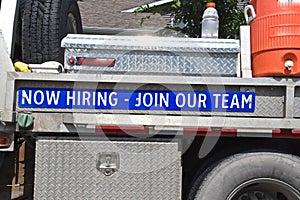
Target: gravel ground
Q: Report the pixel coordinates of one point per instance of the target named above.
(107, 13)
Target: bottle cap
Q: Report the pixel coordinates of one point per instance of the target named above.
(210, 4)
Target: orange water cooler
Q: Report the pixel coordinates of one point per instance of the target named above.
(275, 37)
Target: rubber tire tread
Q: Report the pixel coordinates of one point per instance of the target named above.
(218, 181)
(44, 24)
(1, 159)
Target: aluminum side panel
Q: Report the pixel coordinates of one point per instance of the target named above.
(267, 98)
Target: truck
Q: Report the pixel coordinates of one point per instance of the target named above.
(138, 117)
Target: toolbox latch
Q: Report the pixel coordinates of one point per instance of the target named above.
(108, 163)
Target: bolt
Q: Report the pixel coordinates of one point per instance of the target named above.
(289, 64)
(108, 172)
(245, 197)
(25, 120)
(259, 195)
(72, 60)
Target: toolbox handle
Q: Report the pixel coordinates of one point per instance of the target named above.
(252, 12)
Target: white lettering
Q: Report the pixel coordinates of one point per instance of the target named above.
(235, 101)
(155, 99)
(225, 100)
(164, 100)
(78, 98)
(70, 98)
(138, 100)
(191, 101)
(94, 98)
(202, 100)
(26, 96)
(102, 100)
(86, 96)
(180, 100)
(150, 99)
(113, 101)
(186, 100)
(247, 101)
(216, 98)
(40, 100)
(53, 97)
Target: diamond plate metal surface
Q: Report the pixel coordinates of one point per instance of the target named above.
(67, 170)
(297, 107)
(297, 102)
(155, 54)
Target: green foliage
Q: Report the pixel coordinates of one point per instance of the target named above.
(190, 13)
(165, 8)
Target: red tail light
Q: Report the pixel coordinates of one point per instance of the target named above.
(130, 130)
(99, 62)
(5, 141)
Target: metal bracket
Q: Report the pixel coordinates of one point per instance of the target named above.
(108, 163)
(245, 52)
(247, 89)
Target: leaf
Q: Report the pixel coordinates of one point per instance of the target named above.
(177, 3)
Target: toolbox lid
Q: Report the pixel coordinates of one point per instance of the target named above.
(150, 43)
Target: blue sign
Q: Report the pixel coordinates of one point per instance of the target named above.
(136, 100)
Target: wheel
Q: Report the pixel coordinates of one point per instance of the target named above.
(1, 158)
(251, 176)
(44, 24)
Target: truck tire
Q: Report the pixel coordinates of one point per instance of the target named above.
(250, 176)
(44, 24)
(1, 156)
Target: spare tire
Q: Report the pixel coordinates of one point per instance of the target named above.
(44, 24)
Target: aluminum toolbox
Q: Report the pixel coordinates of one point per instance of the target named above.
(149, 54)
(70, 169)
